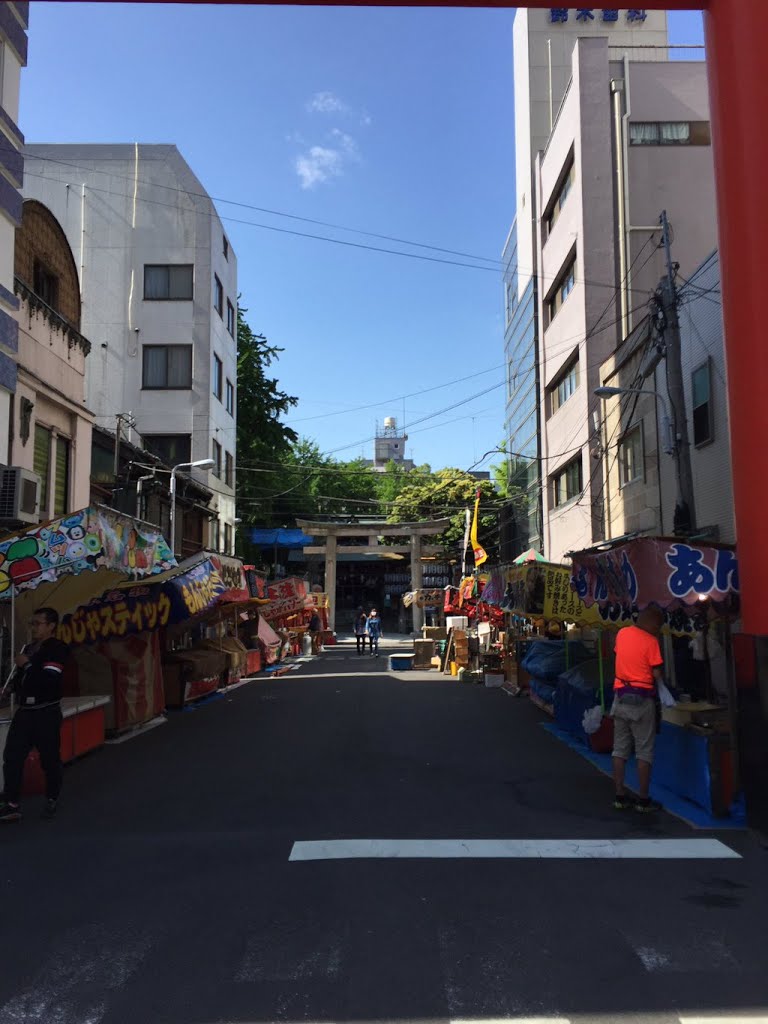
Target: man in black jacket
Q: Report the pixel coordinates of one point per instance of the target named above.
(37, 722)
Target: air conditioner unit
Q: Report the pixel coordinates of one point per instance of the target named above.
(19, 495)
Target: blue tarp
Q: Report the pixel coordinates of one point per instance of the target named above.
(680, 779)
(280, 538)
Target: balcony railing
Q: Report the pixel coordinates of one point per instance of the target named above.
(56, 320)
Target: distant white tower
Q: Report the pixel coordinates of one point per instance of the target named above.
(389, 445)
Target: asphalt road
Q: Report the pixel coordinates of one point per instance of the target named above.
(164, 891)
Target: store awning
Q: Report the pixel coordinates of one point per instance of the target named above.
(188, 592)
(667, 572)
(280, 538)
(69, 561)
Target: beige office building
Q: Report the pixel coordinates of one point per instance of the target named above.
(630, 139)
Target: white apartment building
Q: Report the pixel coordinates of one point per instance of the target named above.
(159, 302)
(543, 42)
(630, 139)
(14, 18)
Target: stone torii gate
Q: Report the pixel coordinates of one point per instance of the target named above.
(415, 532)
(736, 36)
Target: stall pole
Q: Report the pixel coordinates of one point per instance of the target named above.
(601, 668)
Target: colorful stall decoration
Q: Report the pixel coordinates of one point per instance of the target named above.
(257, 583)
(286, 597)
(542, 590)
(182, 594)
(88, 541)
(677, 576)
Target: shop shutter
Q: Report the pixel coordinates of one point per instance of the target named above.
(41, 464)
(61, 489)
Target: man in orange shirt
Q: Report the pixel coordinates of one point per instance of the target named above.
(638, 670)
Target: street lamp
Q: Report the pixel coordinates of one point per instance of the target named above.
(669, 444)
(200, 464)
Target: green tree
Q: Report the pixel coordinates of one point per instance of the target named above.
(262, 436)
(447, 494)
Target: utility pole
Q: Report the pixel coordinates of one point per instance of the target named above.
(685, 506)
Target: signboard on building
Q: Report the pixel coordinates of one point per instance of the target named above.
(588, 15)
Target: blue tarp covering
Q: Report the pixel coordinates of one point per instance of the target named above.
(546, 659)
(680, 778)
(280, 538)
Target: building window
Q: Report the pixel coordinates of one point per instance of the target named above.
(670, 133)
(168, 282)
(45, 284)
(167, 367)
(225, 247)
(173, 449)
(218, 377)
(227, 538)
(701, 383)
(230, 318)
(213, 538)
(562, 290)
(218, 296)
(41, 464)
(510, 302)
(565, 385)
(61, 481)
(216, 459)
(566, 485)
(631, 466)
(561, 195)
(230, 398)
(229, 469)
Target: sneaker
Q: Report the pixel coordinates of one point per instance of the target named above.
(623, 803)
(10, 812)
(647, 806)
(49, 810)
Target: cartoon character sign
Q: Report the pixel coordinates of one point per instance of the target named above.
(80, 542)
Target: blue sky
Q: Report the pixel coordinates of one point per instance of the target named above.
(392, 121)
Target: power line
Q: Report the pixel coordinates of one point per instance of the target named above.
(326, 238)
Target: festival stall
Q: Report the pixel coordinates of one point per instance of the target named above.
(161, 642)
(539, 604)
(289, 610)
(63, 564)
(697, 588)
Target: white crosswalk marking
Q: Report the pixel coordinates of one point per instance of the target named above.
(719, 1019)
(516, 1020)
(73, 985)
(559, 849)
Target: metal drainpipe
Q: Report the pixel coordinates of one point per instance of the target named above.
(617, 93)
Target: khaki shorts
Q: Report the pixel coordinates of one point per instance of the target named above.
(634, 727)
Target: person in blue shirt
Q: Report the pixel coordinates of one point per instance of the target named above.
(373, 628)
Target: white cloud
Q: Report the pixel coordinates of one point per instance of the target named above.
(319, 165)
(347, 143)
(327, 103)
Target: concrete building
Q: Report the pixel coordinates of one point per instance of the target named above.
(158, 280)
(640, 480)
(50, 424)
(14, 18)
(543, 44)
(389, 446)
(628, 140)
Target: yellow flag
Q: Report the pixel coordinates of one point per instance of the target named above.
(479, 552)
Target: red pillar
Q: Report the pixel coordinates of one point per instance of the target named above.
(736, 35)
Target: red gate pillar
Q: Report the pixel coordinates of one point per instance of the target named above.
(736, 36)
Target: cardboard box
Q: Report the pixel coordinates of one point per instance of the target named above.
(457, 622)
(694, 713)
(434, 632)
(493, 678)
